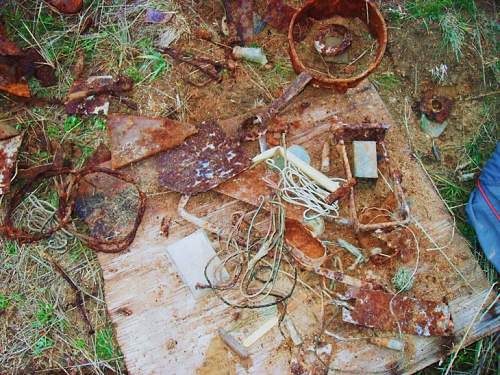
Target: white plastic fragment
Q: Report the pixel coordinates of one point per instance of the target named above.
(190, 256)
(261, 331)
(318, 177)
(365, 159)
(253, 54)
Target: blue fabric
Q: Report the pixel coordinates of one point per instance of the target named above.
(480, 214)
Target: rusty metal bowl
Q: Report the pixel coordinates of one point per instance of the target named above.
(365, 10)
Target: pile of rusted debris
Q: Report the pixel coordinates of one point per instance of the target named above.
(299, 214)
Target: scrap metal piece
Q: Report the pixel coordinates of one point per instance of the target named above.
(210, 68)
(370, 132)
(12, 74)
(436, 108)
(134, 138)
(325, 41)
(366, 11)
(240, 14)
(8, 155)
(372, 308)
(67, 6)
(256, 126)
(279, 15)
(91, 96)
(364, 131)
(69, 191)
(365, 159)
(306, 248)
(341, 192)
(202, 162)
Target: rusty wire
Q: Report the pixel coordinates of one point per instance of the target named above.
(67, 195)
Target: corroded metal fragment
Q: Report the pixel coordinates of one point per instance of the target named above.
(240, 14)
(202, 162)
(437, 108)
(12, 76)
(91, 96)
(8, 155)
(306, 248)
(134, 138)
(67, 6)
(278, 15)
(372, 308)
(325, 47)
(364, 131)
(366, 11)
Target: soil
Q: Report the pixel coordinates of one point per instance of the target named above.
(412, 52)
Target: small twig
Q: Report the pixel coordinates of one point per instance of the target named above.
(480, 96)
(79, 302)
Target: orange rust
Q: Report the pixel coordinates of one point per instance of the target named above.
(341, 192)
(134, 138)
(372, 309)
(366, 11)
(67, 6)
(301, 238)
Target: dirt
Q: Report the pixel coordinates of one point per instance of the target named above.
(412, 51)
(362, 49)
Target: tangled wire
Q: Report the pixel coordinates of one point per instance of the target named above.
(68, 192)
(253, 279)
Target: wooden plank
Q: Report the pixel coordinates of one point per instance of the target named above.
(162, 329)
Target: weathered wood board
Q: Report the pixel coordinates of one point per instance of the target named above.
(161, 329)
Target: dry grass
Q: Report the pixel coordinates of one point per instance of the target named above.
(40, 328)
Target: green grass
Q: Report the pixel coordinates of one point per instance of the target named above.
(4, 302)
(104, 344)
(455, 19)
(385, 81)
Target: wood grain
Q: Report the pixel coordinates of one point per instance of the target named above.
(166, 331)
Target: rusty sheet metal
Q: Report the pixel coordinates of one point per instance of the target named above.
(279, 15)
(359, 132)
(240, 14)
(108, 205)
(306, 249)
(134, 138)
(6, 130)
(371, 308)
(8, 155)
(366, 11)
(91, 96)
(12, 76)
(435, 107)
(202, 162)
(7, 47)
(68, 193)
(67, 6)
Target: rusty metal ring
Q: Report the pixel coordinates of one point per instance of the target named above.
(66, 206)
(365, 10)
(320, 40)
